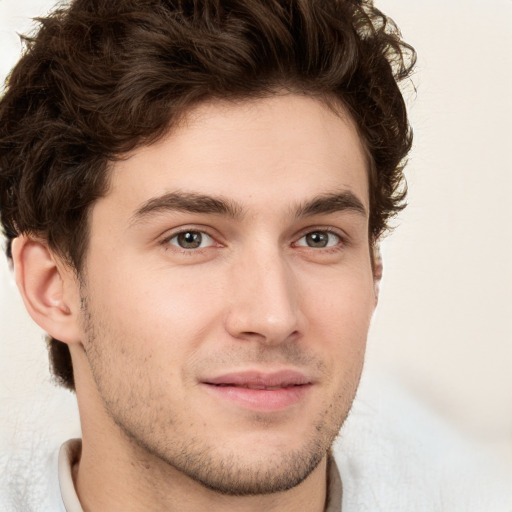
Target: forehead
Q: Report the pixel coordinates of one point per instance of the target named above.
(275, 151)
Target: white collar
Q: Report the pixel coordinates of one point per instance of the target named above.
(69, 453)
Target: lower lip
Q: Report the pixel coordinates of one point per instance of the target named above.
(268, 400)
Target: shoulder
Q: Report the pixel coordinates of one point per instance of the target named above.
(393, 453)
(30, 480)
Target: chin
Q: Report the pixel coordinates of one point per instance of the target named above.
(236, 476)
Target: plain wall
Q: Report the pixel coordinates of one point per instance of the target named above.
(444, 322)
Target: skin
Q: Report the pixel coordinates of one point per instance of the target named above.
(150, 322)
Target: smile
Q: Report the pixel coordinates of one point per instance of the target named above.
(256, 386)
(263, 392)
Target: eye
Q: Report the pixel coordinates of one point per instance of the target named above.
(319, 240)
(191, 240)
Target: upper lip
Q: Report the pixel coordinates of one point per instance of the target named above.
(260, 380)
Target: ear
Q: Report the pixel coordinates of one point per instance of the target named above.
(49, 288)
(377, 270)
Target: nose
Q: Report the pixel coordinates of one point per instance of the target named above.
(265, 303)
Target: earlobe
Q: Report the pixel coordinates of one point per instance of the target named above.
(47, 288)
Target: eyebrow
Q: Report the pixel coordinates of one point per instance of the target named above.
(192, 202)
(187, 202)
(331, 203)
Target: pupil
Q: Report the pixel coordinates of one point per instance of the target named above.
(190, 240)
(317, 239)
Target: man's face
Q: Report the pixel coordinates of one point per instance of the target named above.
(228, 291)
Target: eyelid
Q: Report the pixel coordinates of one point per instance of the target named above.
(343, 237)
(205, 230)
(205, 238)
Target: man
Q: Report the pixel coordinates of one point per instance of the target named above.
(192, 196)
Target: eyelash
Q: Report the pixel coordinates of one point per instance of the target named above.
(166, 242)
(340, 245)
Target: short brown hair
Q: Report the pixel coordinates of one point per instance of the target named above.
(102, 77)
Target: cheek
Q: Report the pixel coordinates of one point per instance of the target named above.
(156, 311)
(341, 305)
(339, 319)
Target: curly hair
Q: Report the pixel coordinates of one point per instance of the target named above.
(102, 77)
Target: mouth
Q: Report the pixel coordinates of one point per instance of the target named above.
(260, 391)
(256, 386)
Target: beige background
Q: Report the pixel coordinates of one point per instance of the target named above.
(444, 323)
